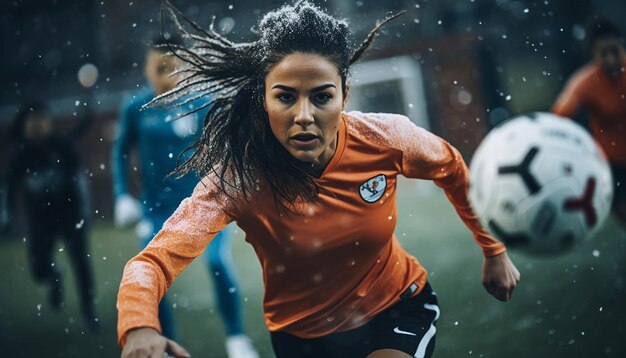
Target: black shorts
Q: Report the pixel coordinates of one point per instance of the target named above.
(619, 184)
(407, 326)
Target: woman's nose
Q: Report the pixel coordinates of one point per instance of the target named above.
(304, 113)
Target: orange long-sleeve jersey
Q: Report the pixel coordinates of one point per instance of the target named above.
(604, 99)
(334, 265)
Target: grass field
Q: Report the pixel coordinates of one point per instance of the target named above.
(572, 305)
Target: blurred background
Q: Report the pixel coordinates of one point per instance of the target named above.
(456, 67)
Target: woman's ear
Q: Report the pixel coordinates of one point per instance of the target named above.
(345, 96)
(261, 92)
(264, 103)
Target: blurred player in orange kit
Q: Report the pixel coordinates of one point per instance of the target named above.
(314, 190)
(599, 88)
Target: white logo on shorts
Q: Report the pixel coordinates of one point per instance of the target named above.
(373, 188)
(399, 331)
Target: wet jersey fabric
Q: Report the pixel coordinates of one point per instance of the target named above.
(159, 139)
(604, 99)
(336, 263)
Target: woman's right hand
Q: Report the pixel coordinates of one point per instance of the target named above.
(147, 342)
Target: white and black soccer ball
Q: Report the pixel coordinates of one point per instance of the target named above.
(540, 183)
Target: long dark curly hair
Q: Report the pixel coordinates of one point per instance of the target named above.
(237, 143)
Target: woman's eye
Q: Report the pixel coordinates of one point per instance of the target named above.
(285, 97)
(323, 97)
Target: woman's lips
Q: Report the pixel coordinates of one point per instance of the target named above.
(304, 142)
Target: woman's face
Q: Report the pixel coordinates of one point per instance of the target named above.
(37, 126)
(158, 69)
(304, 100)
(609, 53)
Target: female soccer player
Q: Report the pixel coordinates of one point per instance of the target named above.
(314, 190)
(45, 171)
(153, 137)
(599, 88)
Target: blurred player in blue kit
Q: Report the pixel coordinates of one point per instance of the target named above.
(158, 136)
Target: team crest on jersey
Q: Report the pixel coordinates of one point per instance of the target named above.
(374, 188)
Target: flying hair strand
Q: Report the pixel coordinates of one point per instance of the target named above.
(365, 44)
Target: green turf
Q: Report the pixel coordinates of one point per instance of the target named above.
(566, 306)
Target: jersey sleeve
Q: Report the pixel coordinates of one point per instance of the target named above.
(125, 140)
(184, 236)
(571, 99)
(427, 156)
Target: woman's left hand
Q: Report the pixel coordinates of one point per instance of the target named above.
(500, 276)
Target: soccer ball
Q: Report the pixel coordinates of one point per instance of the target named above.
(540, 183)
